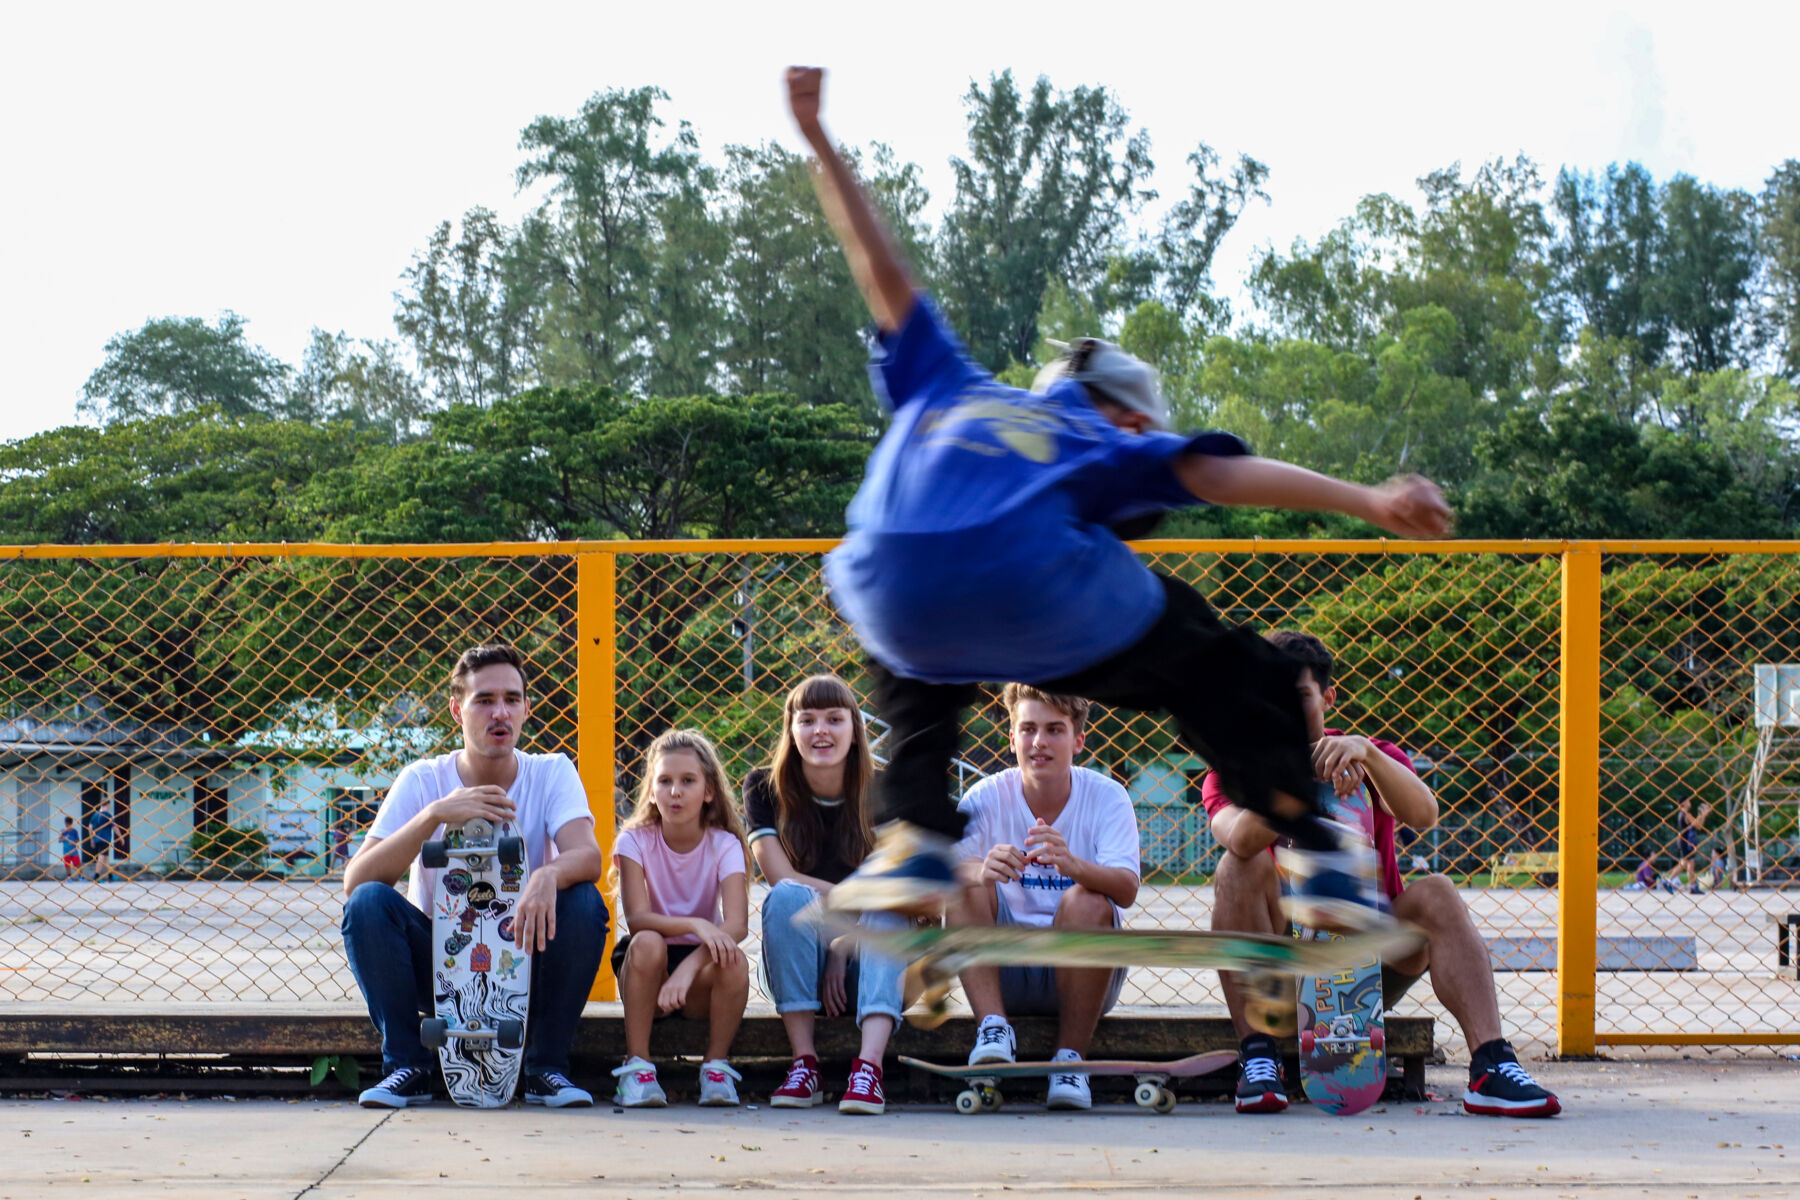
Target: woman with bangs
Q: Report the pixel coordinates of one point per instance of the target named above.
(808, 813)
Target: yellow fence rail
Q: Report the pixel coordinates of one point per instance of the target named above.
(209, 728)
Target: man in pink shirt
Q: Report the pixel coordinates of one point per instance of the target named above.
(1247, 898)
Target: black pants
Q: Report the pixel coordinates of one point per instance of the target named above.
(1234, 699)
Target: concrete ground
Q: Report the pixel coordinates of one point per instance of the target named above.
(1665, 1128)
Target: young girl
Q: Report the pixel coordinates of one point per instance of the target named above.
(809, 819)
(683, 884)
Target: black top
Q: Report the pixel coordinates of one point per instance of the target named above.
(760, 807)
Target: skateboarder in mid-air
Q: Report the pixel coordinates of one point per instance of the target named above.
(980, 548)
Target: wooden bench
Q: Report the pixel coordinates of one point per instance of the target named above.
(1543, 866)
(293, 1035)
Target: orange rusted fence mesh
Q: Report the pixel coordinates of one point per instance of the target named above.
(207, 731)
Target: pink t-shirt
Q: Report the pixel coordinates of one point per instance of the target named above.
(1212, 794)
(684, 885)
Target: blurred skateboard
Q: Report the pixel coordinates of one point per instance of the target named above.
(1343, 1056)
(938, 955)
(1152, 1091)
(483, 977)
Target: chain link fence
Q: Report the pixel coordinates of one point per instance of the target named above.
(202, 734)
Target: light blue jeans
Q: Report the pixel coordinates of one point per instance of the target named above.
(793, 958)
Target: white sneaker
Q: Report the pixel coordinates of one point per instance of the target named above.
(637, 1086)
(994, 1043)
(716, 1087)
(1071, 1090)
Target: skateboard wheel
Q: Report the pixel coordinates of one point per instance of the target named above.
(1308, 1040)
(1147, 1095)
(434, 1032)
(509, 1032)
(1165, 1102)
(968, 1102)
(1377, 1039)
(991, 1099)
(432, 854)
(512, 851)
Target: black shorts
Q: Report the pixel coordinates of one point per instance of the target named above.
(677, 954)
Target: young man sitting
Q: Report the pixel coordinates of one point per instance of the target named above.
(560, 915)
(1247, 898)
(1047, 843)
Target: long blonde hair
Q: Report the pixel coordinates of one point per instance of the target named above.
(798, 823)
(721, 809)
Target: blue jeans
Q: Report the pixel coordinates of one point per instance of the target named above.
(388, 942)
(794, 958)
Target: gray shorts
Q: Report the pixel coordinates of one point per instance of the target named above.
(1031, 991)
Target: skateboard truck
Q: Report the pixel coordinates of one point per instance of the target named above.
(510, 849)
(435, 1033)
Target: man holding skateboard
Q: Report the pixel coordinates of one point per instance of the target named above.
(1047, 844)
(1247, 899)
(559, 917)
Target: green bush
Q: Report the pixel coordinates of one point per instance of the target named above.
(229, 846)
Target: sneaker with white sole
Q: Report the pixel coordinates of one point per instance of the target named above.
(994, 1043)
(801, 1089)
(1335, 889)
(1500, 1087)
(717, 1089)
(1259, 1088)
(401, 1089)
(910, 870)
(553, 1089)
(1069, 1090)
(637, 1086)
(864, 1094)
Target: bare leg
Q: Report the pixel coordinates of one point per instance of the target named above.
(1081, 991)
(799, 1025)
(981, 985)
(1246, 899)
(646, 968)
(877, 1028)
(1462, 974)
(719, 994)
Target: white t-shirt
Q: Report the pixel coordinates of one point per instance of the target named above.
(547, 793)
(1098, 823)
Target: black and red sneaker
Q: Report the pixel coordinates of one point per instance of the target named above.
(1500, 1087)
(1259, 1076)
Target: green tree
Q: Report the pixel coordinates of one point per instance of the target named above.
(193, 476)
(1043, 195)
(471, 335)
(591, 257)
(1706, 260)
(1779, 234)
(182, 365)
(364, 382)
(1604, 258)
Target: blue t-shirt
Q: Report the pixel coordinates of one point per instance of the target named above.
(978, 546)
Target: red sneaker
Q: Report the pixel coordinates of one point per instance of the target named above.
(864, 1094)
(802, 1088)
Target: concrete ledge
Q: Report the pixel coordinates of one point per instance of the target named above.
(295, 1034)
(1611, 954)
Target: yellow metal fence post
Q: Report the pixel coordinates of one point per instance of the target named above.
(1578, 759)
(596, 690)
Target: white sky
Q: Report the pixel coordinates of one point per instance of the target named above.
(178, 159)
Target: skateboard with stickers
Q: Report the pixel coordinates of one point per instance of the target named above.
(1152, 1076)
(483, 976)
(1343, 1048)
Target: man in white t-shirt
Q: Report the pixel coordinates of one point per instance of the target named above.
(560, 914)
(1047, 843)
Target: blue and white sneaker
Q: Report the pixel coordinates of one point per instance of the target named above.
(553, 1089)
(910, 870)
(1335, 890)
(401, 1089)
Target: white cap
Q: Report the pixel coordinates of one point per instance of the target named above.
(1110, 373)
